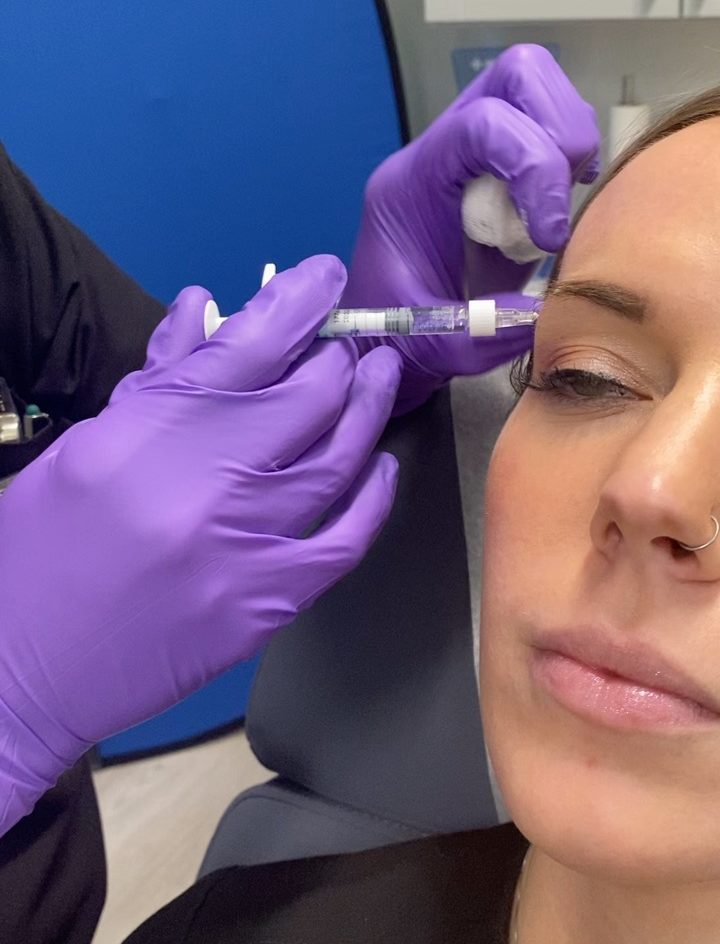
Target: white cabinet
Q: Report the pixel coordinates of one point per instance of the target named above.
(533, 11)
(700, 8)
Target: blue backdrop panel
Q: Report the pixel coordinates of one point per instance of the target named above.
(215, 706)
(195, 140)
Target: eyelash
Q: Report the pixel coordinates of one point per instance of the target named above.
(567, 383)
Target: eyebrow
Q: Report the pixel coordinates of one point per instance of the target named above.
(606, 294)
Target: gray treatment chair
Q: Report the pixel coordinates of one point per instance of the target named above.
(367, 707)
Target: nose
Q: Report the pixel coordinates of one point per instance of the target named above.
(663, 489)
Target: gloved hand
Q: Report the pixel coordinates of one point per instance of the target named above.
(520, 120)
(153, 547)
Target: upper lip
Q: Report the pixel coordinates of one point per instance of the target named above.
(634, 661)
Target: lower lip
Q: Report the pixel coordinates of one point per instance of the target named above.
(610, 699)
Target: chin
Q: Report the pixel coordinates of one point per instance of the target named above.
(592, 812)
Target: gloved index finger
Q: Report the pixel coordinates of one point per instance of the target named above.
(529, 78)
(493, 136)
(254, 347)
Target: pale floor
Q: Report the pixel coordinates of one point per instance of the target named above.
(158, 816)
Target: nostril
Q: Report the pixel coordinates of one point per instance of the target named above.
(676, 549)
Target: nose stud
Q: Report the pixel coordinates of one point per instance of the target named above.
(701, 547)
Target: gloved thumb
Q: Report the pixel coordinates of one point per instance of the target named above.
(177, 336)
(181, 331)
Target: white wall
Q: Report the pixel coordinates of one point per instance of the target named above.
(668, 58)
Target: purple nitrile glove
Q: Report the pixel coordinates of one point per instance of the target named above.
(520, 120)
(151, 548)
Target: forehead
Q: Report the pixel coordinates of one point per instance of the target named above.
(656, 226)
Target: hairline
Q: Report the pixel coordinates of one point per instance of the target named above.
(697, 108)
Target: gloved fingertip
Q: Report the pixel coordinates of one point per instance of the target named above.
(383, 365)
(327, 267)
(191, 297)
(387, 356)
(389, 467)
(589, 172)
(550, 233)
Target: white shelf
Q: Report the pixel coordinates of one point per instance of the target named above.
(696, 9)
(534, 11)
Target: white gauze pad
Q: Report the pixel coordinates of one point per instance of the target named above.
(489, 217)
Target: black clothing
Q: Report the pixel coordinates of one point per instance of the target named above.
(71, 326)
(71, 323)
(454, 889)
(52, 867)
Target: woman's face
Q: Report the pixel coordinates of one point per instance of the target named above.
(593, 483)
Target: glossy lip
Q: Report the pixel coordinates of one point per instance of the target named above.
(635, 662)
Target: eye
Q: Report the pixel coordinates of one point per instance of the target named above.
(576, 384)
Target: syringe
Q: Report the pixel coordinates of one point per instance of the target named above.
(479, 318)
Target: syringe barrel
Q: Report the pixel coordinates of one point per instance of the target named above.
(369, 322)
(379, 322)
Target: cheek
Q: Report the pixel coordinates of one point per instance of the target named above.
(509, 507)
(542, 491)
(518, 506)
(526, 515)
(563, 781)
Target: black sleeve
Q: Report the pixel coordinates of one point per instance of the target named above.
(72, 324)
(52, 867)
(451, 889)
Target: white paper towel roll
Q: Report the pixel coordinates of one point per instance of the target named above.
(627, 122)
